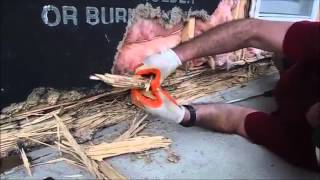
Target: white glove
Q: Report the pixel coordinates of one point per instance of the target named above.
(166, 61)
(163, 105)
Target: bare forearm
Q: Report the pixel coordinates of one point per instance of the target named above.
(223, 38)
(266, 35)
(226, 118)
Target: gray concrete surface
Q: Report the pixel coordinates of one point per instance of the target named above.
(203, 154)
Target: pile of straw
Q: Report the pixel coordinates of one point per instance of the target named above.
(90, 114)
(91, 157)
(79, 120)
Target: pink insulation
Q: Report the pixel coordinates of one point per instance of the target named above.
(149, 34)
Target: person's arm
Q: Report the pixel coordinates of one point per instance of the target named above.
(234, 35)
(313, 115)
(225, 118)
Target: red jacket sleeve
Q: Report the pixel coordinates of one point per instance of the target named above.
(302, 41)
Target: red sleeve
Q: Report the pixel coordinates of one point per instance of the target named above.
(302, 41)
(292, 144)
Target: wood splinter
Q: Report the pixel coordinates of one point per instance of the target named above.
(25, 161)
(187, 34)
(122, 81)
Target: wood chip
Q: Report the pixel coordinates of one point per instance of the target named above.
(25, 161)
(131, 145)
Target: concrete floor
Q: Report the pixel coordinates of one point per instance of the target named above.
(203, 154)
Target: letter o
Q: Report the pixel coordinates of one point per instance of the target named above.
(44, 15)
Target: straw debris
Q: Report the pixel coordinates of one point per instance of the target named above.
(90, 114)
(131, 145)
(25, 161)
(93, 167)
(123, 81)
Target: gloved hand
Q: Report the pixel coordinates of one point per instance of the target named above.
(166, 61)
(162, 105)
(157, 101)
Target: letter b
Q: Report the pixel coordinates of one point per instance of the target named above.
(92, 15)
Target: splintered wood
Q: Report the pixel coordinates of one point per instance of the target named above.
(91, 156)
(107, 171)
(90, 114)
(92, 166)
(203, 80)
(131, 145)
(122, 81)
(86, 116)
(187, 34)
(25, 161)
(188, 30)
(135, 127)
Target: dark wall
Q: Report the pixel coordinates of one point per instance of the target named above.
(35, 54)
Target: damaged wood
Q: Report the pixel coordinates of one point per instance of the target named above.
(122, 81)
(25, 161)
(92, 166)
(88, 115)
(130, 145)
(135, 127)
(188, 30)
(142, 83)
(242, 9)
(87, 155)
(109, 171)
(188, 33)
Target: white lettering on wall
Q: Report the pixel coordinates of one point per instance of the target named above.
(92, 15)
(121, 15)
(69, 13)
(45, 18)
(104, 14)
